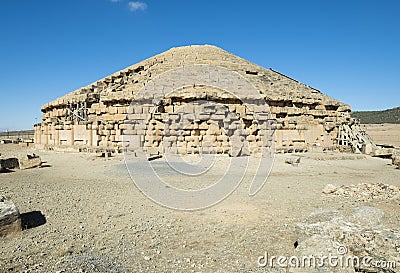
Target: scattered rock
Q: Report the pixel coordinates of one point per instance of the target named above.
(329, 189)
(361, 234)
(10, 219)
(88, 263)
(293, 160)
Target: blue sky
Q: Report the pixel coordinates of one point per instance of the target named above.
(348, 49)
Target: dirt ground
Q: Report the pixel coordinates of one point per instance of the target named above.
(384, 133)
(96, 219)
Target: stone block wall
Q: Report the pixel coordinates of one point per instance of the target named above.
(103, 113)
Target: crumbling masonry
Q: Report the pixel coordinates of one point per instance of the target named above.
(214, 96)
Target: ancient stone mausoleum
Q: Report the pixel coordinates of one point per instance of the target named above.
(196, 98)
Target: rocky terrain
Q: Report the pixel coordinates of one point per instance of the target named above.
(82, 213)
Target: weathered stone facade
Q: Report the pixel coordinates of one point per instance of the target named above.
(141, 103)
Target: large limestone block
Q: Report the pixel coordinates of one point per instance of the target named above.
(30, 161)
(367, 148)
(80, 132)
(203, 126)
(192, 138)
(122, 110)
(95, 105)
(112, 110)
(213, 129)
(222, 138)
(127, 126)
(10, 221)
(108, 117)
(153, 138)
(209, 138)
(240, 109)
(118, 117)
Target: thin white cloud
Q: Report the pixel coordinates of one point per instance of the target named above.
(115, 1)
(134, 6)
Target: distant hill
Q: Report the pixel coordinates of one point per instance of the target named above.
(374, 117)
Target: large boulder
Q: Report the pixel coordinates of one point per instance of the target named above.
(8, 163)
(10, 219)
(30, 161)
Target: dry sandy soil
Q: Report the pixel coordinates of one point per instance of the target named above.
(384, 133)
(98, 221)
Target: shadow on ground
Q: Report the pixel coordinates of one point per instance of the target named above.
(45, 165)
(32, 219)
(6, 171)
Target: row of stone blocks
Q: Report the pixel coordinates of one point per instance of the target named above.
(202, 136)
(139, 107)
(220, 140)
(130, 121)
(138, 126)
(100, 108)
(121, 112)
(113, 129)
(210, 134)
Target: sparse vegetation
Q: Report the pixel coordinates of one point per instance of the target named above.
(375, 117)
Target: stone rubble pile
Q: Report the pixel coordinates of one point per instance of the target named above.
(360, 234)
(364, 191)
